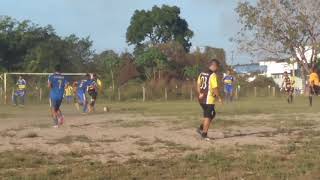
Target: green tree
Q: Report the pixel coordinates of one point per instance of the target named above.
(160, 25)
(151, 61)
(281, 29)
(191, 72)
(25, 46)
(108, 64)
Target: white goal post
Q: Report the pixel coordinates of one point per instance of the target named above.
(5, 75)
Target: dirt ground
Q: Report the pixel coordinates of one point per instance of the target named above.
(120, 136)
(261, 138)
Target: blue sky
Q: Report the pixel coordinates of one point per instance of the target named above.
(214, 22)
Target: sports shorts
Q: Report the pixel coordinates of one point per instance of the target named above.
(55, 102)
(208, 111)
(315, 91)
(93, 95)
(228, 89)
(289, 89)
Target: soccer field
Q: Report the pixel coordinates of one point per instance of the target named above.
(257, 138)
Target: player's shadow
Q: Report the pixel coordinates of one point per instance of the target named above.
(257, 134)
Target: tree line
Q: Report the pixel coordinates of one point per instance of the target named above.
(161, 40)
(282, 29)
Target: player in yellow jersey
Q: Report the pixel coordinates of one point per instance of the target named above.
(314, 85)
(208, 91)
(68, 93)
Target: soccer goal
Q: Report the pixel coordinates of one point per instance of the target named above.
(36, 84)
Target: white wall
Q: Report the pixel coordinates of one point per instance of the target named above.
(274, 67)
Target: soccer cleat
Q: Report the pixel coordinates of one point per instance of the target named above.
(206, 139)
(55, 126)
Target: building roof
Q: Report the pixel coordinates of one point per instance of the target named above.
(249, 68)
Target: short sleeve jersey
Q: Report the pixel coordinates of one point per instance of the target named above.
(92, 86)
(314, 78)
(57, 82)
(228, 80)
(69, 91)
(207, 81)
(83, 85)
(287, 82)
(21, 84)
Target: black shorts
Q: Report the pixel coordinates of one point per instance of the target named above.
(208, 111)
(315, 90)
(93, 94)
(289, 89)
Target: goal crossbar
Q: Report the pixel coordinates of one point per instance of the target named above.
(4, 77)
(46, 74)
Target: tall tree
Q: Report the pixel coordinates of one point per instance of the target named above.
(191, 72)
(160, 25)
(108, 64)
(25, 46)
(151, 61)
(281, 29)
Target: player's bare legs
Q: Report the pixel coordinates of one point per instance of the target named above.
(54, 114)
(91, 108)
(311, 92)
(291, 97)
(206, 125)
(60, 117)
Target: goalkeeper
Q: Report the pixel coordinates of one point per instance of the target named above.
(93, 88)
(19, 94)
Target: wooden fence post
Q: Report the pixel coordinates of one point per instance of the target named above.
(191, 94)
(273, 91)
(165, 94)
(5, 87)
(143, 94)
(1, 94)
(236, 93)
(119, 95)
(40, 94)
(12, 94)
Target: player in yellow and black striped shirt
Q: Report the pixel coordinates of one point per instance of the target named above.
(207, 87)
(314, 84)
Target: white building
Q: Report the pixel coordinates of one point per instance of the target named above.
(276, 68)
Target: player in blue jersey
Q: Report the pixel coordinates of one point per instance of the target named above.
(228, 82)
(20, 93)
(81, 93)
(56, 84)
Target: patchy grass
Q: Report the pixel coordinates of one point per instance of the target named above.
(5, 115)
(172, 145)
(135, 123)
(71, 139)
(142, 142)
(246, 162)
(31, 135)
(298, 158)
(148, 149)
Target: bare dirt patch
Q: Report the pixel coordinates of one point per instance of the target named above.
(120, 137)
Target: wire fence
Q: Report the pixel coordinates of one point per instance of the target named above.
(142, 92)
